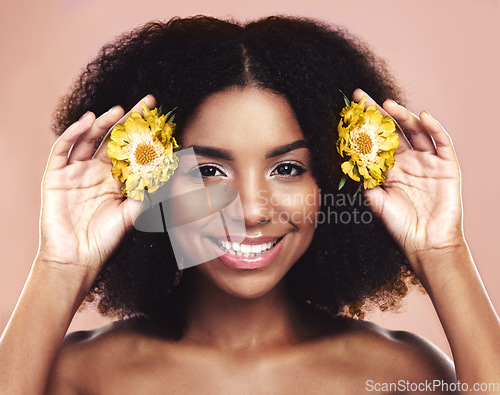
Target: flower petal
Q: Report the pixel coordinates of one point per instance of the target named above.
(119, 135)
(115, 151)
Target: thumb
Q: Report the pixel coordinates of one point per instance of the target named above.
(376, 199)
(130, 211)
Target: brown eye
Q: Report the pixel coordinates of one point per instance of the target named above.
(210, 171)
(288, 170)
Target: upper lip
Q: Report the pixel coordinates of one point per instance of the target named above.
(250, 239)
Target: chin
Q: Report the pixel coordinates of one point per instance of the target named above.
(242, 284)
(250, 289)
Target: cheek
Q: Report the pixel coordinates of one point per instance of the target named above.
(297, 204)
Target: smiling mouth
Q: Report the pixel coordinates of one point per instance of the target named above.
(245, 250)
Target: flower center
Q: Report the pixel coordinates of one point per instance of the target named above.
(364, 143)
(145, 153)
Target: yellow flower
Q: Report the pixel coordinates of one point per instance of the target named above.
(142, 152)
(369, 140)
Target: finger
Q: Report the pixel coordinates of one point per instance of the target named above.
(130, 210)
(420, 138)
(58, 157)
(85, 144)
(358, 95)
(442, 140)
(376, 199)
(101, 151)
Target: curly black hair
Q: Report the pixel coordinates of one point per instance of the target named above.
(350, 264)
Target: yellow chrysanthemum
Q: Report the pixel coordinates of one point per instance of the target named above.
(369, 139)
(142, 152)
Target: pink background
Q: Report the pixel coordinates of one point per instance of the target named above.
(444, 53)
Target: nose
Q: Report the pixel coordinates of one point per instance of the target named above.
(254, 194)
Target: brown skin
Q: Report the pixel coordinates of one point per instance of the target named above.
(243, 335)
(338, 358)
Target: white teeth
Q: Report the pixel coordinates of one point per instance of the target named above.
(256, 248)
(245, 250)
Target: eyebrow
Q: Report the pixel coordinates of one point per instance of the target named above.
(220, 153)
(283, 149)
(211, 152)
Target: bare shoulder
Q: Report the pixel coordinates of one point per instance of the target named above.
(384, 355)
(85, 355)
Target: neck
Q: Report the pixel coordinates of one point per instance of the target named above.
(215, 318)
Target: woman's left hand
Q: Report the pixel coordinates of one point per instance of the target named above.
(420, 201)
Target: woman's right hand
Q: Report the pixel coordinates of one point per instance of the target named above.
(84, 215)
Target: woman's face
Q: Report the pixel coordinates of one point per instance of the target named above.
(249, 139)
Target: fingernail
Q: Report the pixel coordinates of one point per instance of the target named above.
(84, 115)
(427, 112)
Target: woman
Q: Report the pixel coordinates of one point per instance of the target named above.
(259, 104)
